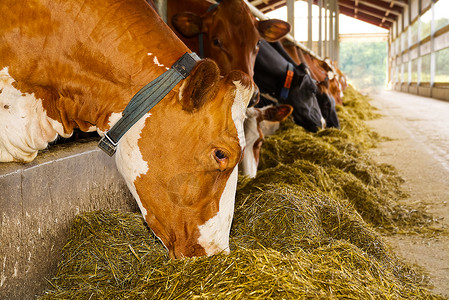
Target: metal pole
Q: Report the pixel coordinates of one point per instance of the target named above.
(309, 24)
(291, 15)
(337, 33)
(325, 29)
(320, 28)
(432, 48)
(331, 29)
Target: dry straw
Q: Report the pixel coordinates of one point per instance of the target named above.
(305, 228)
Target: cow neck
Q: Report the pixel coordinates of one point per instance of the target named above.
(201, 35)
(146, 99)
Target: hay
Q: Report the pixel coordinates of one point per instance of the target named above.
(121, 260)
(300, 232)
(335, 162)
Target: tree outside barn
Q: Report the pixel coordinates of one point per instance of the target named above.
(364, 61)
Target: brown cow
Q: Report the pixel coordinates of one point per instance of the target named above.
(76, 64)
(230, 33)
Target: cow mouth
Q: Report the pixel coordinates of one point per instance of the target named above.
(182, 251)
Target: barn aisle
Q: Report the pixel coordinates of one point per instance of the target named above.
(419, 149)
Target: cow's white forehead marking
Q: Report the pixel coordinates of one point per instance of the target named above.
(25, 127)
(129, 159)
(214, 234)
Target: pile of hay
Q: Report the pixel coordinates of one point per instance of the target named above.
(299, 231)
(336, 162)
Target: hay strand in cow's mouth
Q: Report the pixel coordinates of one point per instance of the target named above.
(305, 227)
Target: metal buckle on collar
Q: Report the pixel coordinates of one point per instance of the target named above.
(107, 145)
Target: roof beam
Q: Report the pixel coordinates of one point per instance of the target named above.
(366, 18)
(382, 6)
(272, 6)
(367, 10)
(401, 3)
(258, 2)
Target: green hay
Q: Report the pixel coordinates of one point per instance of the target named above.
(302, 229)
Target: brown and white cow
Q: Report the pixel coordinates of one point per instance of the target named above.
(260, 122)
(68, 64)
(231, 34)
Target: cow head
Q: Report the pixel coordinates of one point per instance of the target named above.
(180, 160)
(260, 122)
(231, 34)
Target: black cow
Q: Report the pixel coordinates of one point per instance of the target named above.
(270, 75)
(325, 101)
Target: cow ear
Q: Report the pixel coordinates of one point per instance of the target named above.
(278, 113)
(201, 85)
(273, 29)
(187, 24)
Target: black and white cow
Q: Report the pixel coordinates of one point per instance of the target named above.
(325, 100)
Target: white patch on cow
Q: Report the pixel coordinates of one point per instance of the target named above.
(330, 75)
(323, 123)
(214, 234)
(25, 127)
(248, 163)
(241, 100)
(113, 118)
(129, 159)
(156, 62)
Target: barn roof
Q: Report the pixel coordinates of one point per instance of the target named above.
(381, 13)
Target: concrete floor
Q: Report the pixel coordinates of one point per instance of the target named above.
(419, 149)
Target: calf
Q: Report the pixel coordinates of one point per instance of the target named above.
(260, 122)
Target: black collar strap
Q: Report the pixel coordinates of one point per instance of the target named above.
(287, 82)
(146, 99)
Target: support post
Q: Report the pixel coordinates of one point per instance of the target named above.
(320, 28)
(309, 24)
(291, 16)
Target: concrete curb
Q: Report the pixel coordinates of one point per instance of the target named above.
(38, 201)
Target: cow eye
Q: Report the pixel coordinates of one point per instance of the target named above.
(217, 42)
(258, 45)
(220, 155)
(222, 158)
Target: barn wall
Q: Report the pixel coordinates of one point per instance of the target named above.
(419, 50)
(38, 201)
